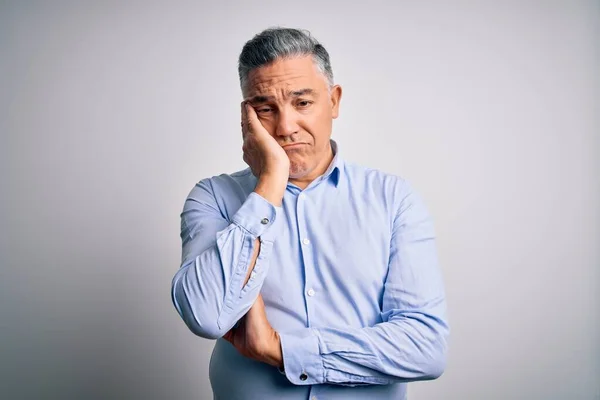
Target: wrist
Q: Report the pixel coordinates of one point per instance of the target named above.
(278, 353)
(277, 174)
(276, 169)
(271, 187)
(275, 355)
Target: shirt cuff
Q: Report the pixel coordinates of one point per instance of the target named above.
(259, 217)
(301, 357)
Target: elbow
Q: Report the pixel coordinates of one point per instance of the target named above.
(207, 331)
(433, 349)
(197, 316)
(435, 359)
(434, 367)
(203, 325)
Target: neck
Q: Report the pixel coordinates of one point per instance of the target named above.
(320, 169)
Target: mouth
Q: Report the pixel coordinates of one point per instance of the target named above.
(293, 146)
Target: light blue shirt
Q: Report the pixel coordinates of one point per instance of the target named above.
(349, 274)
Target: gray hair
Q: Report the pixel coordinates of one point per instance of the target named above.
(274, 43)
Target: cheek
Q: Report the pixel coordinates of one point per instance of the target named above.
(318, 125)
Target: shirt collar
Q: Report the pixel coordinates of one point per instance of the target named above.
(336, 166)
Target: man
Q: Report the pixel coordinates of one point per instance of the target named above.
(318, 277)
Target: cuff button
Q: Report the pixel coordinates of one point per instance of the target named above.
(303, 377)
(264, 221)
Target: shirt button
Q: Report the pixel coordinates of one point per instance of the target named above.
(303, 377)
(305, 241)
(264, 221)
(310, 292)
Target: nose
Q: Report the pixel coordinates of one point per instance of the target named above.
(287, 124)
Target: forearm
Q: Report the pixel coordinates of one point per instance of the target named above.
(253, 258)
(214, 290)
(271, 186)
(271, 189)
(408, 348)
(216, 285)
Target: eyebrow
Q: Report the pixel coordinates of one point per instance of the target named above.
(301, 92)
(292, 93)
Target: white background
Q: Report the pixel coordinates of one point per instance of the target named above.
(111, 111)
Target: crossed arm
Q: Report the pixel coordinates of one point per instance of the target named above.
(222, 272)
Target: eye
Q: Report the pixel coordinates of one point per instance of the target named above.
(303, 103)
(264, 110)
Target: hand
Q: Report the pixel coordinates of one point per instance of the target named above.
(261, 151)
(255, 337)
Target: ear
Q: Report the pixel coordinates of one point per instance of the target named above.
(336, 97)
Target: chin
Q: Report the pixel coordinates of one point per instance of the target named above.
(298, 170)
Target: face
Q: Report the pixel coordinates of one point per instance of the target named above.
(294, 103)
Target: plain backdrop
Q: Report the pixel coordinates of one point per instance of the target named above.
(110, 112)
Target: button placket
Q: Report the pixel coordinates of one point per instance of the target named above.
(305, 252)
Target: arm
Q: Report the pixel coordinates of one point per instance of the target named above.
(223, 263)
(410, 343)
(268, 189)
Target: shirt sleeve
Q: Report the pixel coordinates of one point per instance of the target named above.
(208, 290)
(410, 344)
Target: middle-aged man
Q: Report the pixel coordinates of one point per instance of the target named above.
(318, 277)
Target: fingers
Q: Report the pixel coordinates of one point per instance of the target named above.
(250, 122)
(244, 121)
(251, 114)
(240, 325)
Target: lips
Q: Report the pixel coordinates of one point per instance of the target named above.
(293, 145)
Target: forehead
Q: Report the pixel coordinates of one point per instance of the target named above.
(285, 75)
